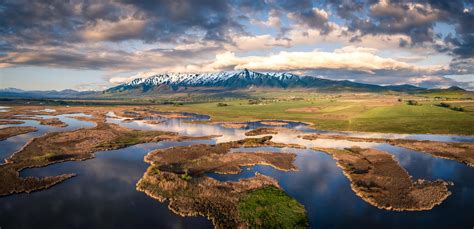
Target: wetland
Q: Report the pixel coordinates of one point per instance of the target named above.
(185, 171)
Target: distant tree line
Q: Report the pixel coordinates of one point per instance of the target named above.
(454, 108)
(412, 102)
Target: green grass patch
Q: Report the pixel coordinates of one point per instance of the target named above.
(426, 118)
(45, 157)
(271, 207)
(339, 114)
(185, 176)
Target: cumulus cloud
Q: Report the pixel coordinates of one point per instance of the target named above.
(350, 62)
(127, 28)
(381, 39)
(415, 19)
(312, 18)
(272, 21)
(104, 57)
(348, 58)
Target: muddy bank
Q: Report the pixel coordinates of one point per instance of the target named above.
(153, 122)
(272, 130)
(198, 160)
(67, 146)
(141, 114)
(379, 180)
(458, 151)
(44, 121)
(9, 132)
(274, 123)
(233, 125)
(261, 131)
(31, 111)
(52, 122)
(178, 175)
(10, 122)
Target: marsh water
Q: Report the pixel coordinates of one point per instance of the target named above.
(103, 194)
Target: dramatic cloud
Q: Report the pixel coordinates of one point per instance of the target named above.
(361, 63)
(68, 21)
(313, 18)
(274, 20)
(416, 19)
(419, 41)
(348, 58)
(124, 29)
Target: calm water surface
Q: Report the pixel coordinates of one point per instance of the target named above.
(13, 144)
(103, 194)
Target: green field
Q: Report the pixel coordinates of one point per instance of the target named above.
(365, 112)
(270, 207)
(347, 112)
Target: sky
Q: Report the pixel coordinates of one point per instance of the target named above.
(93, 45)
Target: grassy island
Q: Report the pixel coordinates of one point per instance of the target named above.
(79, 144)
(179, 175)
(458, 151)
(9, 132)
(271, 207)
(379, 180)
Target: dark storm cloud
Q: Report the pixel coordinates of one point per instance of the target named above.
(291, 5)
(113, 59)
(55, 22)
(168, 18)
(45, 32)
(454, 12)
(60, 58)
(464, 42)
(35, 22)
(346, 8)
(58, 23)
(304, 13)
(462, 66)
(415, 19)
(44, 27)
(313, 18)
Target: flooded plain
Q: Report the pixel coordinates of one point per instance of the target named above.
(103, 193)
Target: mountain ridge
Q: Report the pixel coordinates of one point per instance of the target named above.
(220, 82)
(65, 93)
(245, 79)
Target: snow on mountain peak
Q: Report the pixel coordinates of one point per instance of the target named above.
(238, 79)
(199, 78)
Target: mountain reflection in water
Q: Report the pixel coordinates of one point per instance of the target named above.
(103, 194)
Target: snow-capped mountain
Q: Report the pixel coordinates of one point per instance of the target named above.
(239, 80)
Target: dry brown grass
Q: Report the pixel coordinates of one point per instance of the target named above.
(10, 122)
(274, 123)
(72, 145)
(458, 151)
(178, 175)
(9, 132)
(261, 131)
(233, 125)
(378, 179)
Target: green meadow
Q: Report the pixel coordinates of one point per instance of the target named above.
(344, 112)
(270, 207)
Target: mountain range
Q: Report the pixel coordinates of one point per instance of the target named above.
(233, 80)
(225, 81)
(67, 93)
